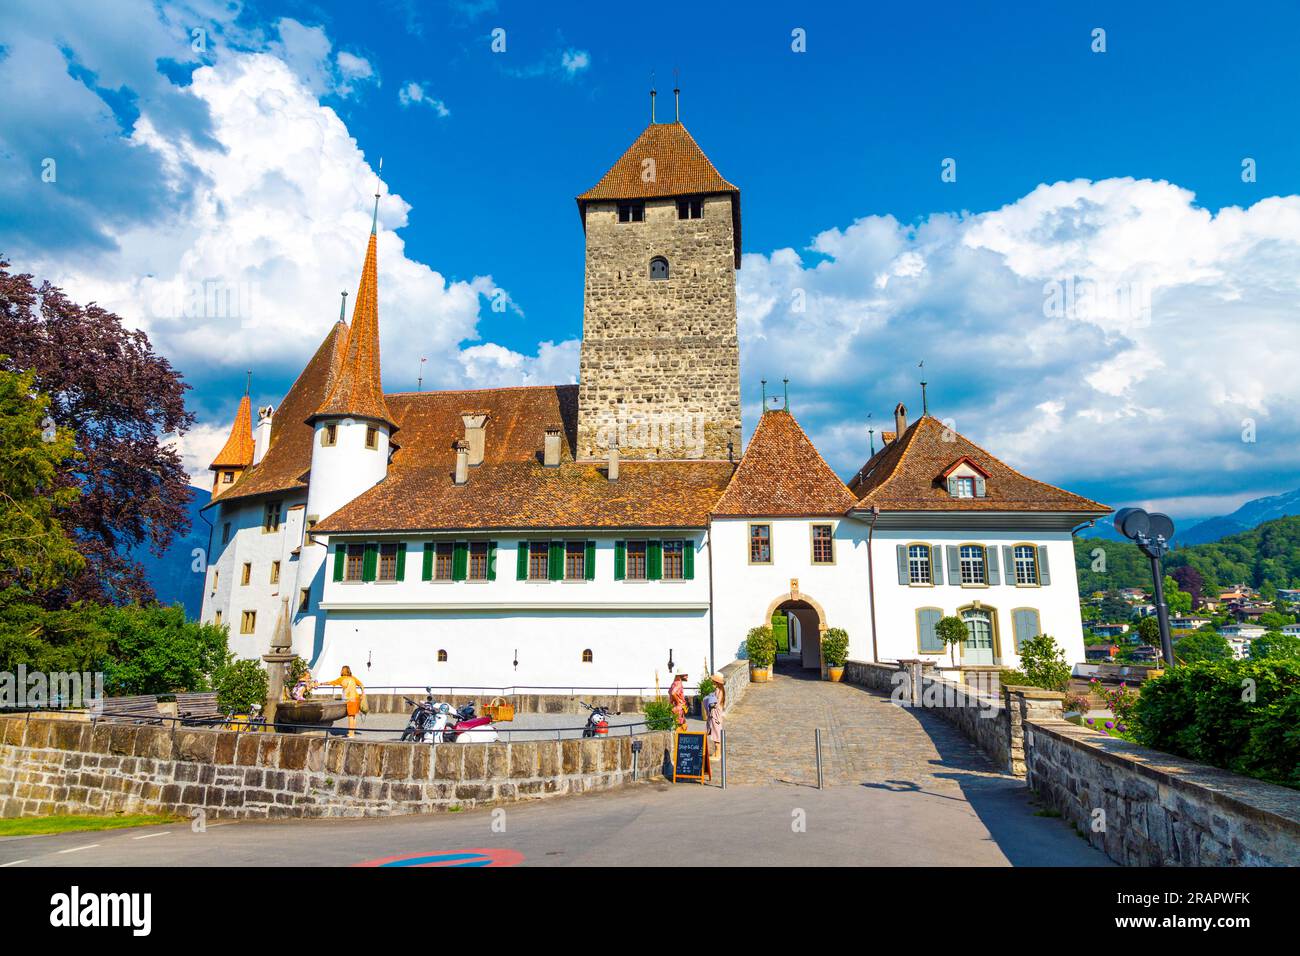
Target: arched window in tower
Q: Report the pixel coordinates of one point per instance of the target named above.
(442, 657)
(658, 268)
(586, 656)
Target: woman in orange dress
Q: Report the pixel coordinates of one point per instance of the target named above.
(354, 692)
(677, 697)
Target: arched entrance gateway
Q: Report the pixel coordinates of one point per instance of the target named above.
(805, 622)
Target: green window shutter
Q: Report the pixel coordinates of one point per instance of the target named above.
(492, 561)
(401, 561)
(901, 553)
(426, 569)
(460, 561)
(521, 565)
(688, 559)
(340, 555)
(370, 562)
(620, 561)
(655, 560)
(927, 618)
(589, 562)
(555, 561)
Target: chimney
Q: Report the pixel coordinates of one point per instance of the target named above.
(900, 419)
(462, 462)
(551, 449)
(475, 434)
(612, 471)
(262, 434)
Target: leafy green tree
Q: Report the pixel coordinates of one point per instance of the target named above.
(1273, 621)
(952, 631)
(240, 685)
(1177, 600)
(35, 552)
(1275, 644)
(1114, 607)
(1148, 630)
(1043, 661)
(1202, 646)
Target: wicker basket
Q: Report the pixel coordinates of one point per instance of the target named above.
(500, 711)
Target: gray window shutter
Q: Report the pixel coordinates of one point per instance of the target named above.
(926, 620)
(1025, 625)
(991, 558)
(952, 487)
(979, 487)
(936, 564)
(902, 564)
(1044, 574)
(1009, 562)
(954, 565)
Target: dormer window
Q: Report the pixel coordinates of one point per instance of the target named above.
(965, 479)
(690, 209)
(658, 268)
(631, 212)
(962, 486)
(227, 477)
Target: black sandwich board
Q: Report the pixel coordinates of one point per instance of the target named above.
(691, 756)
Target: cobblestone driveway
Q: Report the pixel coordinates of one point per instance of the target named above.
(865, 739)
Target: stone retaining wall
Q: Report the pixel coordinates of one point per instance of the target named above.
(736, 683)
(51, 765)
(1157, 809)
(524, 703)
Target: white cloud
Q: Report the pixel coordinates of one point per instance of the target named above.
(307, 51)
(574, 61)
(197, 448)
(417, 93)
(1107, 332)
(491, 365)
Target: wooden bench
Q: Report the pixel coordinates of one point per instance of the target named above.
(142, 708)
(197, 707)
(1115, 673)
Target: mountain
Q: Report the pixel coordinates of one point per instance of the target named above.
(172, 574)
(1250, 515)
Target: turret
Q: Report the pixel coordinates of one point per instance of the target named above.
(236, 455)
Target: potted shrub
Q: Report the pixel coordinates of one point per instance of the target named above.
(952, 631)
(835, 651)
(760, 648)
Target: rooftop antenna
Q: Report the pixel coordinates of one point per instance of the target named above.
(785, 397)
(419, 382)
(343, 307)
(925, 409)
(871, 431)
(374, 220)
(677, 93)
(652, 96)
(248, 382)
(764, 383)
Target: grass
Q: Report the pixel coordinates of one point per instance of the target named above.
(1099, 725)
(70, 823)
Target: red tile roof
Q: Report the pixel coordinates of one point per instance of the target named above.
(511, 489)
(287, 461)
(782, 474)
(680, 169)
(237, 452)
(358, 390)
(907, 475)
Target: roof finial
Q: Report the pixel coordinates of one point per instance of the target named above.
(764, 382)
(374, 220)
(785, 394)
(343, 307)
(652, 97)
(248, 382)
(924, 407)
(677, 94)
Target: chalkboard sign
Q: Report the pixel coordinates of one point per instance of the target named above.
(691, 756)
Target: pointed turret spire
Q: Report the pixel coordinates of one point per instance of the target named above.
(238, 450)
(358, 390)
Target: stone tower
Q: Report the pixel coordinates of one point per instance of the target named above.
(660, 366)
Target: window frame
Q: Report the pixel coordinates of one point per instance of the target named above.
(575, 551)
(587, 656)
(692, 206)
(474, 550)
(444, 560)
(246, 574)
(1033, 557)
(272, 516)
(248, 622)
(643, 556)
(984, 565)
(771, 556)
(812, 543)
(385, 556)
(929, 565)
(329, 435)
(539, 550)
(916, 618)
(304, 600)
(227, 477)
(963, 481)
(635, 212)
(677, 547)
(351, 550)
(993, 624)
(275, 572)
(667, 269)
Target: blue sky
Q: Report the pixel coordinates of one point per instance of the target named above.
(1120, 168)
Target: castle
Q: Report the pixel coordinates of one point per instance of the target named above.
(605, 534)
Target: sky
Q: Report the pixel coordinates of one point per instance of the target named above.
(1083, 219)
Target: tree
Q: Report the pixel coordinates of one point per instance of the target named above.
(35, 552)
(1114, 607)
(1178, 601)
(1191, 581)
(952, 631)
(1148, 630)
(1275, 644)
(1202, 646)
(1043, 661)
(118, 398)
(1273, 621)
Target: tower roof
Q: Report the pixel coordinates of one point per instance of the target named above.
(680, 169)
(237, 452)
(356, 389)
(782, 474)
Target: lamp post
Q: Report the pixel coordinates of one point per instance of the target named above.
(1152, 532)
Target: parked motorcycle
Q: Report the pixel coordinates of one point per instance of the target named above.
(428, 720)
(466, 727)
(597, 721)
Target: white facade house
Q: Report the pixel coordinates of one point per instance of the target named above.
(457, 539)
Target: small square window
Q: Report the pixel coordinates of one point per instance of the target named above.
(248, 622)
(631, 212)
(227, 477)
(690, 209)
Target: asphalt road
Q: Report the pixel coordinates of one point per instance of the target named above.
(968, 821)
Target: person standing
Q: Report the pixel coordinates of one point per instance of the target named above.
(354, 693)
(677, 698)
(715, 704)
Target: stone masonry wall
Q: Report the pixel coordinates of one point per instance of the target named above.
(665, 350)
(76, 766)
(1157, 809)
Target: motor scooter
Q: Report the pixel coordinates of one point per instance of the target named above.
(465, 727)
(428, 719)
(597, 721)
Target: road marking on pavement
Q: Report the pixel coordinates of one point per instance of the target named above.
(150, 836)
(88, 846)
(11, 863)
(470, 857)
